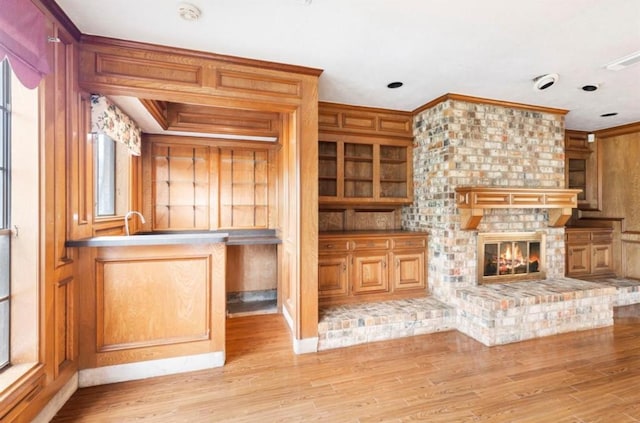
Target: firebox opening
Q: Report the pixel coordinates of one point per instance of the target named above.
(510, 257)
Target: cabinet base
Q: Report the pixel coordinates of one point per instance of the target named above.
(151, 368)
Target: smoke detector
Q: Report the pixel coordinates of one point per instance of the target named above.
(543, 82)
(188, 12)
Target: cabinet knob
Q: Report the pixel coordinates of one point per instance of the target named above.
(329, 246)
(344, 267)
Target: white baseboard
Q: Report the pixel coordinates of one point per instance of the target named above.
(305, 346)
(58, 400)
(300, 346)
(288, 318)
(151, 368)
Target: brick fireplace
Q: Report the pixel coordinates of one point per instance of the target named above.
(459, 144)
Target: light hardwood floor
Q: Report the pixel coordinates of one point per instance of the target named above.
(589, 376)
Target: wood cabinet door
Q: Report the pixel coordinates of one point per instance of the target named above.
(578, 259)
(332, 275)
(370, 273)
(601, 259)
(355, 169)
(408, 270)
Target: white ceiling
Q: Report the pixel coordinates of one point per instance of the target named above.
(483, 48)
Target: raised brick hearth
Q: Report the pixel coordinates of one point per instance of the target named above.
(492, 314)
(503, 313)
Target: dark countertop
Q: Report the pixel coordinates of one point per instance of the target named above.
(390, 232)
(231, 237)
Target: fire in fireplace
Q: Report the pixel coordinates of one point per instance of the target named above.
(505, 257)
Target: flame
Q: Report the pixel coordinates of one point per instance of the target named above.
(515, 255)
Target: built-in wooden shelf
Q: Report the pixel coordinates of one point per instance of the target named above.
(472, 201)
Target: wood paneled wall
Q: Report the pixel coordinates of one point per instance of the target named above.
(60, 126)
(620, 151)
(161, 73)
(82, 64)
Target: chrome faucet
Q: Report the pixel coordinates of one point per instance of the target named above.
(126, 220)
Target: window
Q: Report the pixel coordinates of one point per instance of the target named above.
(111, 177)
(5, 230)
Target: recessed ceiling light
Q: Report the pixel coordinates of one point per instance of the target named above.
(188, 12)
(543, 82)
(396, 84)
(609, 114)
(590, 87)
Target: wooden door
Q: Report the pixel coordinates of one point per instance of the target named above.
(370, 273)
(333, 275)
(578, 259)
(408, 270)
(601, 259)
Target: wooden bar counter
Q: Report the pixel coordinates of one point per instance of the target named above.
(148, 309)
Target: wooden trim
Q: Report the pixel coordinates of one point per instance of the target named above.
(114, 42)
(618, 130)
(220, 120)
(21, 393)
(346, 119)
(158, 111)
(472, 201)
(58, 14)
(606, 219)
(488, 101)
(345, 107)
(211, 142)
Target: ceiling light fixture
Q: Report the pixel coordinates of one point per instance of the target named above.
(396, 84)
(543, 82)
(625, 61)
(188, 12)
(609, 114)
(590, 87)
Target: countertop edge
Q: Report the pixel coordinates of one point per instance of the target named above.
(148, 240)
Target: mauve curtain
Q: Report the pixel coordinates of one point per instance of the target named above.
(23, 40)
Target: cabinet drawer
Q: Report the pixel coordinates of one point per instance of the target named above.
(578, 237)
(333, 245)
(601, 236)
(409, 243)
(371, 244)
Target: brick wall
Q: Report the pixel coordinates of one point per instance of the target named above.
(459, 143)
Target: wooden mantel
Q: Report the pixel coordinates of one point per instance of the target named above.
(472, 201)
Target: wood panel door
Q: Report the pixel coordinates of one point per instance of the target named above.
(578, 259)
(408, 270)
(370, 273)
(601, 256)
(361, 170)
(333, 271)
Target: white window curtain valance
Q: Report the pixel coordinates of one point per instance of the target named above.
(23, 40)
(108, 119)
